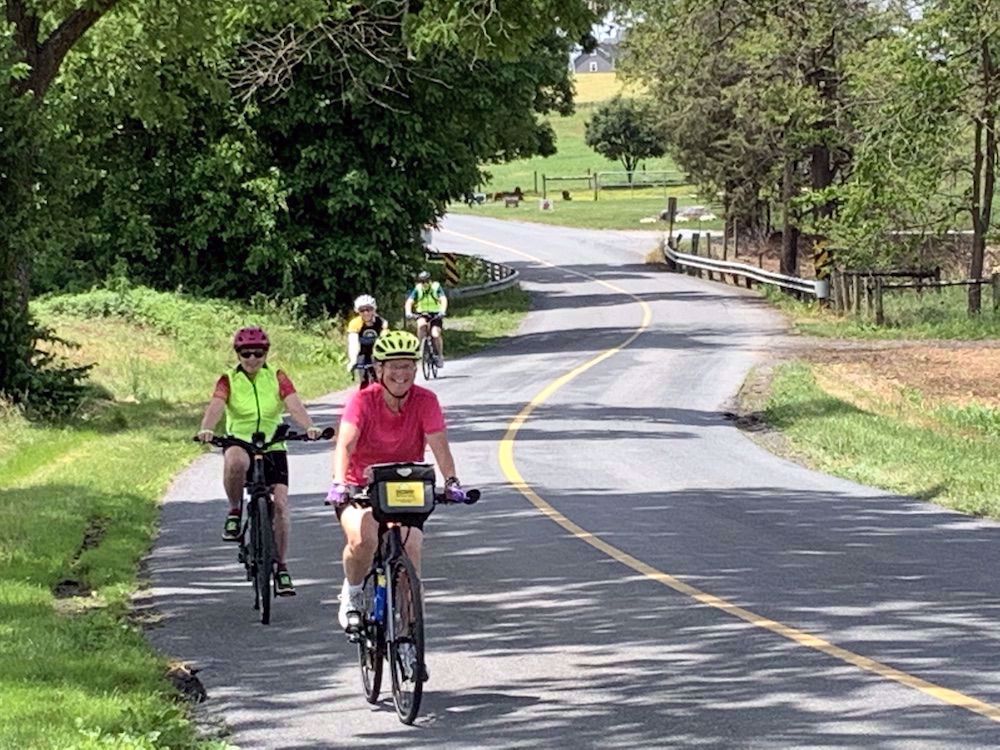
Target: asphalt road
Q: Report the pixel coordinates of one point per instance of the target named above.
(638, 574)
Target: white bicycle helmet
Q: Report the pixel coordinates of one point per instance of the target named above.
(365, 300)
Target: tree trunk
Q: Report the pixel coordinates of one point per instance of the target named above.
(983, 177)
(789, 230)
(16, 329)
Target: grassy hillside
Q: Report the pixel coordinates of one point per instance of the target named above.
(622, 208)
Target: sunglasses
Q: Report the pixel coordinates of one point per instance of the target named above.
(247, 353)
(366, 309)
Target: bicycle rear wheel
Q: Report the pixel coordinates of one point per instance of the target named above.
(406, 650)
(263, 556)
(371, 647)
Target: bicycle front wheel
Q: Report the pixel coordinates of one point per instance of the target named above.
(427, 358)
(406, 649)
(263, 555)
(371, 646)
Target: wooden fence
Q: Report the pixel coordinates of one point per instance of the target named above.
(860, 292)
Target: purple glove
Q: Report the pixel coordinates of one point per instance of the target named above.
(338, 495)
(453, 490)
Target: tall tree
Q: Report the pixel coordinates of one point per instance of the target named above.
(34, 42)
(42, 36)
(752, 97)
(624, 130)
(928, 150)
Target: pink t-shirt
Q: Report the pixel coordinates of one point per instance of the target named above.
(386, 437)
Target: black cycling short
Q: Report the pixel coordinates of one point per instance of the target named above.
(275, 468)
(433, 320)
(339, 510)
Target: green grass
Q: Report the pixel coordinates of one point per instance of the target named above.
(952, 460)
(574, 159)
(623, 212)
(931, 315)
(75, 672)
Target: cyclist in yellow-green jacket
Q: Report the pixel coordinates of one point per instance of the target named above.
(428, 303)
(254, 396)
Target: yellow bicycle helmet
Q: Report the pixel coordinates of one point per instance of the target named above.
(396, 345)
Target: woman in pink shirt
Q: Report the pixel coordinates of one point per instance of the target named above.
(390, 421)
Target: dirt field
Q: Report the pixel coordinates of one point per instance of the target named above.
(948, 372)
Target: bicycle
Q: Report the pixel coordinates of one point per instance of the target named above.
(256, 542)
(391, 627)
(428, 357)
(364, 369)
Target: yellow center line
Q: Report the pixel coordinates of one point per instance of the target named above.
(801, 637)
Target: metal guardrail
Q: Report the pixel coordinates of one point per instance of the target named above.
(500, 276)
(817, 288)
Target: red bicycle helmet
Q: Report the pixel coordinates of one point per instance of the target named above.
(251, 336)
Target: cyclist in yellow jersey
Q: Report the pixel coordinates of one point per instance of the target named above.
(428, 303)
(362, 330)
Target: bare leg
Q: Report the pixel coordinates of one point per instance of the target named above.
(282, 521)
(236, 463)
(361, 536)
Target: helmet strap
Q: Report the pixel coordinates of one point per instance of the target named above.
(398, 399)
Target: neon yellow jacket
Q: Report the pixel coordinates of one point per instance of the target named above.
(254, 405)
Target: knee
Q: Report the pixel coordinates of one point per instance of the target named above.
(361, 546)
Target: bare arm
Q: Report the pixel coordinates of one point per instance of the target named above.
(213, 412)
(438, 442)
(353, 349)
(408, 307)
(347, 436)
(444, 304)
(298, 411)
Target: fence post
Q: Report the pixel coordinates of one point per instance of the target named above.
(856, 302)
(536, 182)
(695, 238)
(937, 278)
(671, 214)
(996, 291)
(544, 186)
(708, 250)
(879, 310)
(870, 295)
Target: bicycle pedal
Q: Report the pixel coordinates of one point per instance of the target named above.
(354, 637)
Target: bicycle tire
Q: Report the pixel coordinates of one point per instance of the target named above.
(263, 556)
(406, 666)
(371, 646)
(426, 357)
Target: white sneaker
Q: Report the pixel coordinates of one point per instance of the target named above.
(350, 603)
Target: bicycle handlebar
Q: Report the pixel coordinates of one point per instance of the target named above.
(281, 436)
(467, 497)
